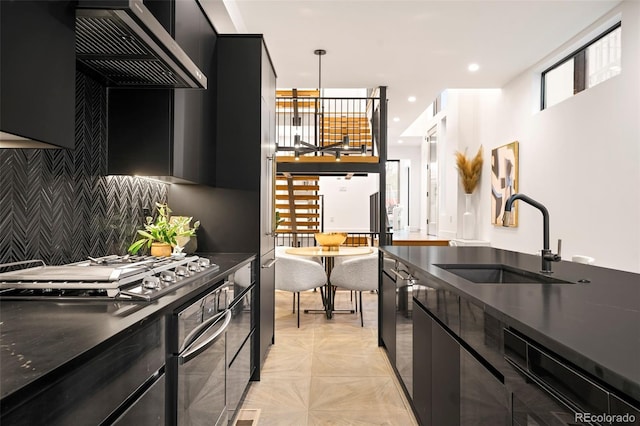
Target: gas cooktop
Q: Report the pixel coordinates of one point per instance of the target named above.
(114, 277)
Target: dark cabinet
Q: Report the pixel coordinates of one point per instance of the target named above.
(239, 345)
(445, 373)
(245, 82)
(38, 77)
(422, 365)
(167, 133)
(484, 400)
(388, 315)
(267, 307)
(124, 376)
(451, 384)
(404, 329)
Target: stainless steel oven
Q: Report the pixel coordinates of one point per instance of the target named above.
(198, 360)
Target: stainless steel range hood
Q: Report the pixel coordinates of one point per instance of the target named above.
(124, 43)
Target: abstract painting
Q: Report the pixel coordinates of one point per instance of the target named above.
(504, 181)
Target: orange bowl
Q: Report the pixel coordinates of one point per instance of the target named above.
(330, 239)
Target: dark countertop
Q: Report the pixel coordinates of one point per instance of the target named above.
(41, 339)
(595, 325)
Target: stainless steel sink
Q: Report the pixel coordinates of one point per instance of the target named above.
(498, 274)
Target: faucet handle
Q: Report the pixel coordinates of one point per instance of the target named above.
(557, 257)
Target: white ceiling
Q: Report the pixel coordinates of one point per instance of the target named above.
(416, 47)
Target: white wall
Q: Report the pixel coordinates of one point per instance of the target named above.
(580, 158)
(346, 202)
(410, 157)
(467, 123)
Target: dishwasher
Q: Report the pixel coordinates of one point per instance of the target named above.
(197, 360)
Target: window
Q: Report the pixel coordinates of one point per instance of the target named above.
(590, 65)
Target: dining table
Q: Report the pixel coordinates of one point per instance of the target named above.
(329, 255)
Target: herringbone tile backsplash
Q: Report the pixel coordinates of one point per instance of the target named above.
(58, 205)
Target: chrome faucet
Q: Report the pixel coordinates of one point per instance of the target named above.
(547, 255)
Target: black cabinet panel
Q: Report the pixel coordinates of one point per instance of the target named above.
(445, 383)
(238, 112)
(241, 324)
(483, 333)
(91, 392)
(422, 365)
(38, 64)
(404, 333)
(139, 121)
(267, 306)
(148, 410)
(238, 377)
(483, 398)
(388, 317)
(244, 143)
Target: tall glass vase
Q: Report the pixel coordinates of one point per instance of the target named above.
(468, 219)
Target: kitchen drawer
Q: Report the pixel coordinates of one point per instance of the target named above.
(241, 323)
(238, 377)
(87, 394)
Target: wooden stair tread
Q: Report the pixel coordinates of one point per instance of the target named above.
(298, 187)
(298, 197)
(298, 214)
(301, 93)
(299, 206)
(300, 223)
(298, 177)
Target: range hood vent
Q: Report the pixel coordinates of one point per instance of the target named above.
(125, 44)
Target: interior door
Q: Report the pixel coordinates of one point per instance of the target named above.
(432, 182)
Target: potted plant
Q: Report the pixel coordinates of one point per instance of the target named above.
(161, 236)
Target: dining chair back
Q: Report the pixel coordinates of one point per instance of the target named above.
(296, 274)
(357, 273)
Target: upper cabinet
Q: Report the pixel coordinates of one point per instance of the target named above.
(245, 112)
(37, 75)
(166, 133)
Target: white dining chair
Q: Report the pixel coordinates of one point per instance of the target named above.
(357, 273)
(296, 274)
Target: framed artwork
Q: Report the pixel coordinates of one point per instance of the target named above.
(504, 181)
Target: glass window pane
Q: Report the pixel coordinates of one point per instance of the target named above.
(603, 58)
(558, 84)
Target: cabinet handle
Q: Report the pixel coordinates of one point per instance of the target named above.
(270, 264)
(402, 277)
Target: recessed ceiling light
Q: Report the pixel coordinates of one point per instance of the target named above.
(399, 140)
(396, 119)
(473, 67)
(411, 99)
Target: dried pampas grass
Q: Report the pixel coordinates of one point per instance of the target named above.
(469, 170)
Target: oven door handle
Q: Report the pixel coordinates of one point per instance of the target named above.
(196, 347)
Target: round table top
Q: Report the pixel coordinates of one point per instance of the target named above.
(318, 251)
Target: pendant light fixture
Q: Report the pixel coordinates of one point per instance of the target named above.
(300, 147)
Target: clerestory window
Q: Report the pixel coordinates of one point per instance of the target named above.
(595, 62)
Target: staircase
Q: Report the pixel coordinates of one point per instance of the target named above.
(324, 123)
(355, 125)
(298, 203)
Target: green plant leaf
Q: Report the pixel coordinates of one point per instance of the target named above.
(136, 246)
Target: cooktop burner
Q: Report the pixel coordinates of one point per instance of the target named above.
(121, 277)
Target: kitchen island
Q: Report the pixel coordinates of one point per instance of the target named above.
(53, 351)
(591, 323)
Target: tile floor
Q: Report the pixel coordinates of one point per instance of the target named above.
(327, 372)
